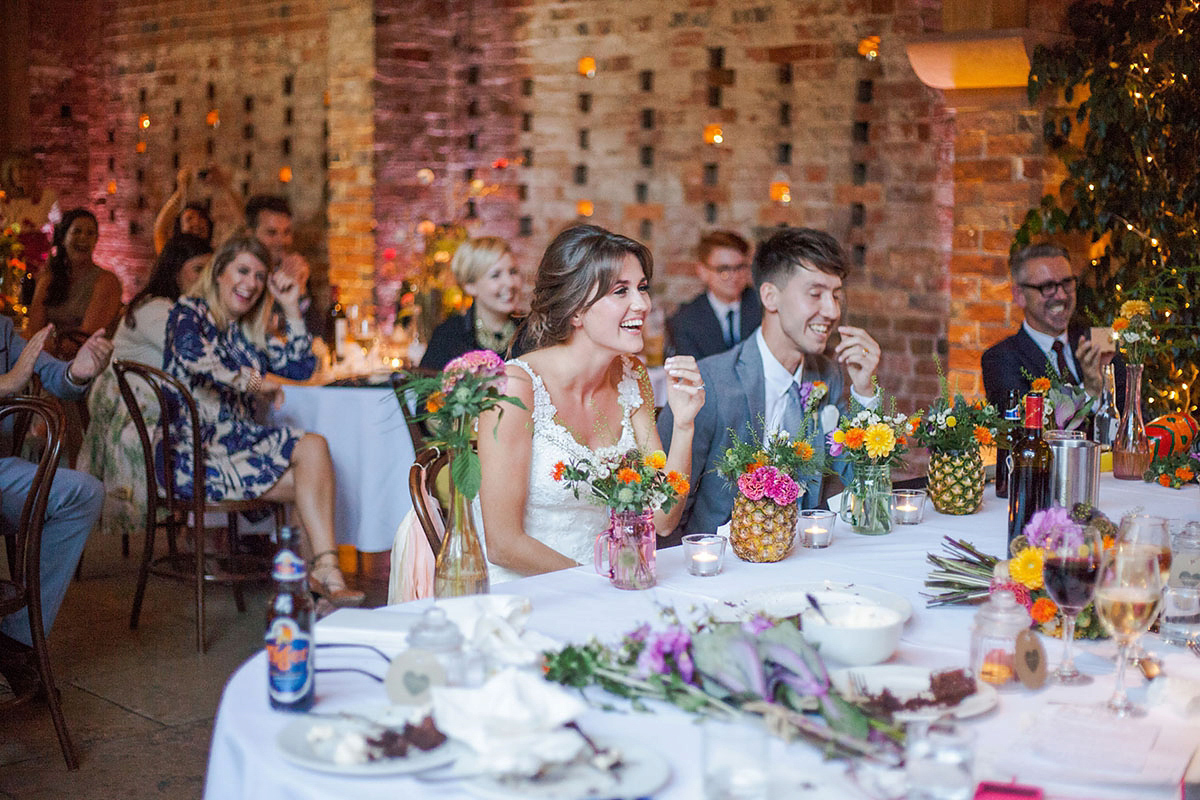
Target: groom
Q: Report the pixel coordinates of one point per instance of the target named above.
(798, 273)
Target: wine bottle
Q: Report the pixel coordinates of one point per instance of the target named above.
(338, 327)
(1107, 420)
(1012, 413)
(1029, 480)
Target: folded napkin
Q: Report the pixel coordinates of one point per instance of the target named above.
(514, 722)
(1181, 695)
(386, 630)
(494, 624)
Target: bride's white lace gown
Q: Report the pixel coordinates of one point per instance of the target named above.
(553, 515)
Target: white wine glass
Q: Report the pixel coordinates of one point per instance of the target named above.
(1070, 572)
(1128, 595)
(1151, 535)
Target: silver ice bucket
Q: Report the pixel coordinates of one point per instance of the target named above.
(1075, 474)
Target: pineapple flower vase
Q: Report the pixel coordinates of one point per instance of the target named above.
(762, 530)
(956, 480)
(867, 501)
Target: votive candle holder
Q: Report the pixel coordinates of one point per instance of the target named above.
(816, 528)
(703, 553)
(908, 506)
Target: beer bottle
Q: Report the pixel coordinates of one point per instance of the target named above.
(1032, 460)
(1012, 414)
(337, 326)
(291, 669)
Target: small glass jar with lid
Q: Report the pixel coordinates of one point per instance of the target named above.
(436, 634)
(994, 639)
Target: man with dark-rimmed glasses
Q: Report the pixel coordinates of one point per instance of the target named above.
(1043, 285)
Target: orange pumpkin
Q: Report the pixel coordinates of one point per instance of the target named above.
(1174, 433)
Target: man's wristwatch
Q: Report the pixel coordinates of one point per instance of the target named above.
(72, 381)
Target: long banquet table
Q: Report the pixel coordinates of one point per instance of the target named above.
(576, 604)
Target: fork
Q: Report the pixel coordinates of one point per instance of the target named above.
(858, 686)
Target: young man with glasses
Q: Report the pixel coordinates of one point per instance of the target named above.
(728, 311)
(1044, 287)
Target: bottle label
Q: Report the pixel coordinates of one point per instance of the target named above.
(289, 661)
(288, 566)
(1033, 411)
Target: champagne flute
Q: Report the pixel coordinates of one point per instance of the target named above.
(1070, 573)
(1151, 536)
(1128, 595)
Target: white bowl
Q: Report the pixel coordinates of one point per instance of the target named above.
(856, 635)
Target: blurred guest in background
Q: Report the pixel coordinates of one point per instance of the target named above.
(728, 311)
(26, 202)
(218, 345)
(187, 210)
(486, 271)
(111, 449)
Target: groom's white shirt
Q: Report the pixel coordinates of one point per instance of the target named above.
(777, 381)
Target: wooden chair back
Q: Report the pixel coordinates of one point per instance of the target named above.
(423, 489)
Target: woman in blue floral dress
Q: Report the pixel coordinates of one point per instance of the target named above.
(218, 344)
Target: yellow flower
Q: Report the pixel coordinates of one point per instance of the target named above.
(951, 421)
(656, 460)
(839, 436)
(880, 440)
(1135, 308)
(1026, 567)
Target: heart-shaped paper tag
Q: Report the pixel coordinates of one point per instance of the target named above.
(411, 675)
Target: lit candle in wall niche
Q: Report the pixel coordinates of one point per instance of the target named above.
(587, 67)
(713, 134)
(584, 208)
(285, 174)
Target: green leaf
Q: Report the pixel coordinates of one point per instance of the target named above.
(466, 472)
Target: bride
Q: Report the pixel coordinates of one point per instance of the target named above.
(586, 395)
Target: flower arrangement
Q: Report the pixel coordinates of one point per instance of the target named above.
(871, 437)
(1067, 405)
(1133, 331)
(1174, 471)
(966, 575)
(956, 426)
(468, 386)
(628, 482)
(770, 467)
(760, 665)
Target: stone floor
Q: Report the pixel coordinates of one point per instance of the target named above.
(139, 704)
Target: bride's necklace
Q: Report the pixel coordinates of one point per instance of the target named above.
(601, 426)
(496, 341)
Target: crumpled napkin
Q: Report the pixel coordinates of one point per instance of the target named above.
(494, 624)
(514, 722)
(1181, 695)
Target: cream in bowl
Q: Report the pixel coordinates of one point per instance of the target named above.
(856, 634)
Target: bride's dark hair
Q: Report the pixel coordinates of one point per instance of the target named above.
(578, 268)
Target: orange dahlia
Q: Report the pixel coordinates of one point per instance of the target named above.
(803, 449)
(1043, 610)
(855, 438)
(983, 435)
(1040, 384)
(627, 475)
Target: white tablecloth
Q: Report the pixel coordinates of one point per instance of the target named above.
(574, 605)
(371, 451)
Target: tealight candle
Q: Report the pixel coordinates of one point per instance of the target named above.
(816, 528)
(703, 553)
(908, 506)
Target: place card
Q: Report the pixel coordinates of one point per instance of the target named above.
(411, 676)
(1030, 660)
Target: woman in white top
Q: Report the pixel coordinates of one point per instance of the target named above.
(111, 449)
(586, 394)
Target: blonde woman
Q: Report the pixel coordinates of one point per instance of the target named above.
(485, 270)
(217, 344)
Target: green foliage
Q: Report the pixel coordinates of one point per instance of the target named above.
(1132, 152)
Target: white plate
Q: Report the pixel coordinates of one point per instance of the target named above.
(643, 772)
(905, 682)
(785, 601)
(294, 745)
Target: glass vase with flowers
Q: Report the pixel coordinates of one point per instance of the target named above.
(1134, 331)
(452, 401)
(874, 441)
(633, 486)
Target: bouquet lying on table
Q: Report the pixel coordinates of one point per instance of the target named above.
(965, 575)
(760, 665)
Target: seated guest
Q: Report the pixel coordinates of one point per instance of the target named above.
(73, 293)
(586, 395)
(217, 344)
(75, 498)
(269, 219)
(112, 450)
(728, 311)
(799, 274)
(485, 270)
(1044, 288)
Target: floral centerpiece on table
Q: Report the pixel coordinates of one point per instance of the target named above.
(469, 385)
(1133, 330)
(874, 441)
(1174, 471)
(12, 268)
(627, 482)
(1067, 405)
(766, 475)
(966, 575)
(954, 431)
(761, 665)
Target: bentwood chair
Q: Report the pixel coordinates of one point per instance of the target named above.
(423, 489)
(23, 588)
(408, 404)
(166, 508)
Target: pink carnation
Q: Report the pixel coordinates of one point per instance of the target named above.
(785, 492)
(1019, 592)
(481, 363)
(752, 484)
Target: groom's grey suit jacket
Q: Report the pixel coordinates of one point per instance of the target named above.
(735, 402)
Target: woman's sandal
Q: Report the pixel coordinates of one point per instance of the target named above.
(327, 581)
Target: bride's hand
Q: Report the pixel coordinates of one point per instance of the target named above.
(685, 388)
